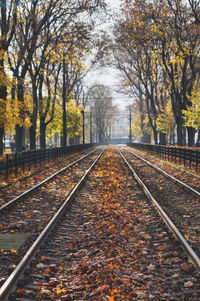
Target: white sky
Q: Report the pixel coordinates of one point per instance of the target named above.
(113, 3)
(109, 76)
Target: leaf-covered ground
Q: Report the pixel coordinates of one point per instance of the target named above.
(116, 247)
(24, 181)
(31, 214)
(181, 205)
(177, 170)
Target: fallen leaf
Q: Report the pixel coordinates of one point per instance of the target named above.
(188, 284)
(47, 271)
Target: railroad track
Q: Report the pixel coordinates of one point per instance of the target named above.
(180, 201)
(111, 245)
(16, 187)
(25, 216)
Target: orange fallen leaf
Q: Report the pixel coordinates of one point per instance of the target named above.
(47, 271)
(144, 235)
(184, 266)
(70, 246)
(160, 248)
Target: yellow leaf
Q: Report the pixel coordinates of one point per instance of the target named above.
(13, 251)
(60, 290)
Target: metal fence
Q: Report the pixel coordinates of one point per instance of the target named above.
(27, 159)
(179, 155)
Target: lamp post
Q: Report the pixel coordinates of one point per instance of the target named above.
(90, 125)
(130, 122)
(83, 124)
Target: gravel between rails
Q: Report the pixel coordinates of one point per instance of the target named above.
(181, 205)
(179, 172)
(112, 245)
(9, 192)
(30, 215)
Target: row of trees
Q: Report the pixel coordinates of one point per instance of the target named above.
(43, 45)
(156, 47)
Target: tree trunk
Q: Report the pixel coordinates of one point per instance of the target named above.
(184, 136)
(155, 136)
(146, 138)
(198, 139)
(1, 140)
(32, 135)
(179, 133)
(20, 136)
(163, 138)
(42, 133)
(3, 97)
(191, 134)
(32, 130)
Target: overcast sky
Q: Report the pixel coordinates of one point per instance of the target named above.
(114, 3)
(109, 76)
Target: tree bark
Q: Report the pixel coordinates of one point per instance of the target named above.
(20, 138)
(191, 134)
(20, 135)
(42, 133)
(146, 138)
(33, 119)
(179, 132)
(163, 138)
(1, 140)
(155, 136)
(3, 96)
(32, 135)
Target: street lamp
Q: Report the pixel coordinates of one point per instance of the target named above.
(83, 124)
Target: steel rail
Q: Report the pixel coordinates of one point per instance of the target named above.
(24, 194)
(10, 283)
(190, 252)
(164, 173)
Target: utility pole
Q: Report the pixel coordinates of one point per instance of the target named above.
(130, 122)
(64, 142)
(90, 125)
(83, 115)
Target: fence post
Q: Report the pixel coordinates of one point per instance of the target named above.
(7, 157)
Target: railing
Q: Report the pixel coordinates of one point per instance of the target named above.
(179, 155)
(27, 159)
